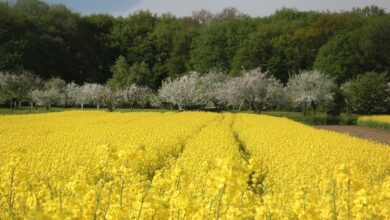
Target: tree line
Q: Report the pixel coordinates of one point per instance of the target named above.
(53, 41)
(254, 90)
(148, 50)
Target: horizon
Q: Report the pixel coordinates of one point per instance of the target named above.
(183, 9)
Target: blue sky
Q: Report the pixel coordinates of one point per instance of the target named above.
(98, 6)
(185, 7)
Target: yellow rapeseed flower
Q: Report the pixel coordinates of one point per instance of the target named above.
(188, 165)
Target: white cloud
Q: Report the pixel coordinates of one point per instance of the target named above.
(251, 7)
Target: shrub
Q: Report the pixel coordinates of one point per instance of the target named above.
(368, 93)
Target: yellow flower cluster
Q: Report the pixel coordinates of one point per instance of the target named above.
(315, 173)
(375, 118)
(100, 165)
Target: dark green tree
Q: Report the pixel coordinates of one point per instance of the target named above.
(95, 52)
(355, 52)
(130, 36)
(125, 75)
(12, 27)
(217, 43)
(50, 40)
(369, 93)
(179, 61)
(256, 51)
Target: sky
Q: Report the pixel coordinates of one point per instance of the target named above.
(185, 7)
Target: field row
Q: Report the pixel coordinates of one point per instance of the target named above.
(375, 121)
(182, 165)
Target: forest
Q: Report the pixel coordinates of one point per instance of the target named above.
(145, 49)
(52, 40)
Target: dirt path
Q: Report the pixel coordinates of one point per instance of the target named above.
(362, 132)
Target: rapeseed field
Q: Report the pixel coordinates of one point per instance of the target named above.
(188, 165)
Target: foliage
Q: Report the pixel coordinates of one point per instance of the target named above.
(368, 93)
(110, 97)
(179, 61)
(183, 91)
(216, 44)
(93, 91)
(2, 97)
(254, 89)
(137, 95)
(358, 51)
(51, 40)
(211, 88)
(17, 87)
(145, 49)
(125, 75)
(81, 95)
(256, 51)
(309, 89)
(53, 92)
(321, 118)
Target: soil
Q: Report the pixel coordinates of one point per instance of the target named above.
(374, 134)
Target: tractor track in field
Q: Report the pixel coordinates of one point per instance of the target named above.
(244, 152)
(372, 134)
(256, 186)
(184, 141)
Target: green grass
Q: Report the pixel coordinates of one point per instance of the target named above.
(144, 110)
(26, 110)
(374, 124)
(320, 119)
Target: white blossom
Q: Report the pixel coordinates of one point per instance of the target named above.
(94, 91)
(184, 91)
(210, 86)
(53, 92)
(254, 88)
(110, 98)
(137, 95)
(309, 88)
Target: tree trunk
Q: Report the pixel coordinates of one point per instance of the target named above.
(256, 108)
(19, 104)
(239, 107)
(304, 109)
(110, 108)
(97, 106)
(12, 105)
(314, 106)
(82, 105)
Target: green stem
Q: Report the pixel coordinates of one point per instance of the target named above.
(11, 193)
(220, 201)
